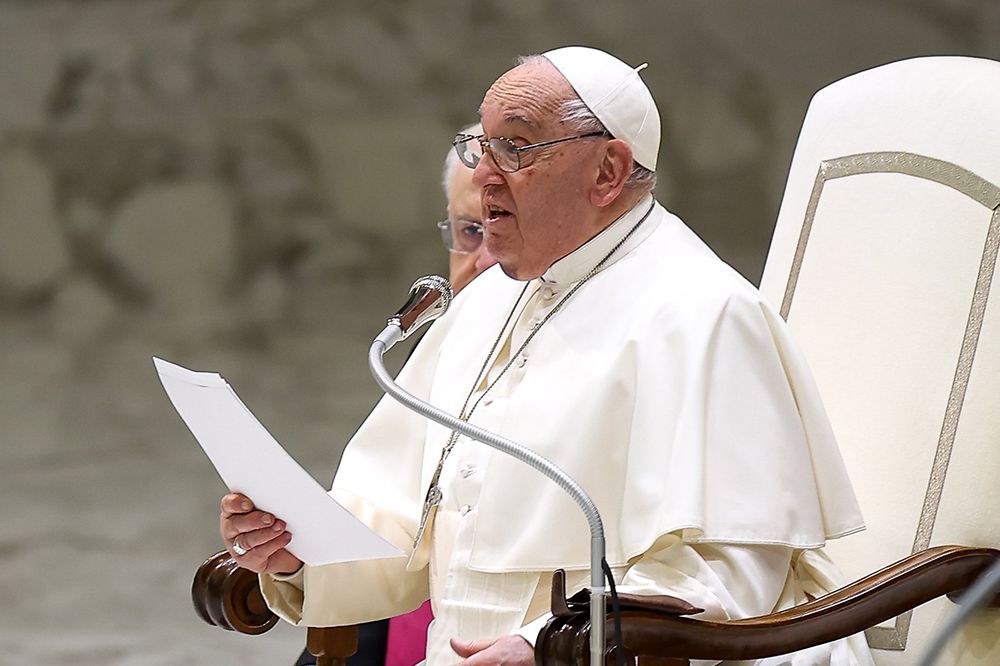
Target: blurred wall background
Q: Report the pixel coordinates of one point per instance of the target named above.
(250, 186)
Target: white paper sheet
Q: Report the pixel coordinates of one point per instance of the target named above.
(250, 461)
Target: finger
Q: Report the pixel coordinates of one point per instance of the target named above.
(235, 503)
(283, 562)
(255, 538)
(509, 650)
(266, 550)
(466, 649)
(234, 525)
(257, 558)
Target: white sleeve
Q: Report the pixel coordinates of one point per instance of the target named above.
(345, 594)
(728, 581)
(350, 592)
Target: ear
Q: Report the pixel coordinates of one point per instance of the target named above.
(612, 171)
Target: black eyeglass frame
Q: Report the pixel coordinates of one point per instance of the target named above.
(517, 150)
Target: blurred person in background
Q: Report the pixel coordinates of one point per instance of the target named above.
(462, 232)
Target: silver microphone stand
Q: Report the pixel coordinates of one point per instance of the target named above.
(408, 322)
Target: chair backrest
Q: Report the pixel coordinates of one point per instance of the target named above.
(882, 261)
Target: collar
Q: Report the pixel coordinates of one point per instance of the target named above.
(575, 265)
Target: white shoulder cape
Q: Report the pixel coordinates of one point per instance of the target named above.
(665, 386)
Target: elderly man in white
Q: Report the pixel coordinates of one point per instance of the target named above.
(617, 345)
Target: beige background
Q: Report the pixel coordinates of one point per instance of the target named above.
(250, 186)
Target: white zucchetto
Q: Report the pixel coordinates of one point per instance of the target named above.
(615, 94)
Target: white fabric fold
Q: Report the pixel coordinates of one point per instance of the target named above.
(728, 443)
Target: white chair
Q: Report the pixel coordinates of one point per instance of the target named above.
(882, 262)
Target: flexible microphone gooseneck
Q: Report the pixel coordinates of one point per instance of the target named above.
(429, 298)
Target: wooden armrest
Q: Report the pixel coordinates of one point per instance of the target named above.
(945, 570)
(228, 596)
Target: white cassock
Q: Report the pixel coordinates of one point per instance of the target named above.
(665, 386)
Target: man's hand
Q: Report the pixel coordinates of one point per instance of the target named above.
(262, 536)
(507, 650)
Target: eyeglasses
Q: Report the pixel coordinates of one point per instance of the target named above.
(461, 236)
(507, 156)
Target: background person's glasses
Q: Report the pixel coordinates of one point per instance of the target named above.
(507, 156)
(461, 236)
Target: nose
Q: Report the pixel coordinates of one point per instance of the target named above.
(487, 172)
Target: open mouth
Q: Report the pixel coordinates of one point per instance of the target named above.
(496, 213)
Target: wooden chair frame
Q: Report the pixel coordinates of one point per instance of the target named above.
(657, 633)
(227, 596)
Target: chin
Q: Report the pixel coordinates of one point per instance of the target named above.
(519, 272)
(515, 265)
(509, 271)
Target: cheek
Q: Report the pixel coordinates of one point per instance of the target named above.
(457, 262)
(540, 204)
(536, 194)
(461, 268)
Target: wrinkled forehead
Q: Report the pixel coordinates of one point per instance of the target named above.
(530, 94)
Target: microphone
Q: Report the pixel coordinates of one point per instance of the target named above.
(430, 297)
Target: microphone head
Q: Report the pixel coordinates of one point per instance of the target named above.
(430, 297)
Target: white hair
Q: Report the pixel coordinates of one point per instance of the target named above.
(577, 115)
(451, 161)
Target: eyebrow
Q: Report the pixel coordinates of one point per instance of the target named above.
(515, 117)
(512, 118)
